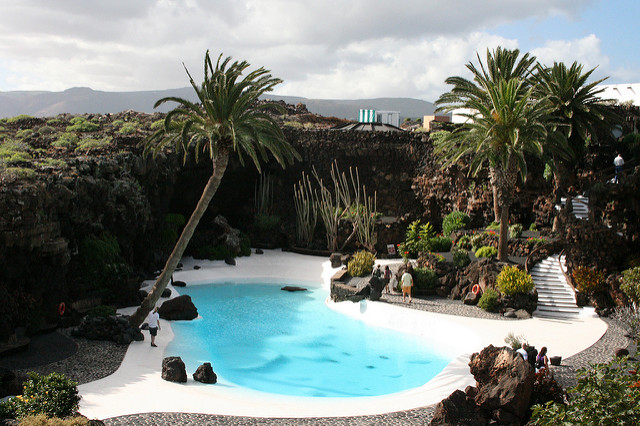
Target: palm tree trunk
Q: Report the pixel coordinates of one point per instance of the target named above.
(503, 240)
(493, 181)
(219, 167)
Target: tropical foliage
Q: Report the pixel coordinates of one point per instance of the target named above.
(513, 280)
(228, 118)
(361, 264)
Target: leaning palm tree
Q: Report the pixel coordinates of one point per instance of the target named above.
(228, 119)
(501, 64)
(505, 122)
(577, 113)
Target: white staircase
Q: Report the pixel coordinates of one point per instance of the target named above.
(579, 206)
(556, 298)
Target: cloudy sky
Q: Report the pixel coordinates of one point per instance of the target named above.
(332, 49)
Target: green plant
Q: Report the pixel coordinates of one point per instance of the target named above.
(486, 251)
(425, 278)
(514, 342)
(588, 280)
(438, 243)
(493, 226)
(102, 311)
(460, 256)
(24, 133)
(42, 420)
(66, 140)
(464, 242)
(547, 174)
(631, 284)
(54, 122)
(606, 394)
(293, 124)
(489, 300)
(305, 203)
(361, 264)
(214, 252)
(245, 245)
(128, 129)
(513, 280)
(46, 130)
(80, 124)
(515, 230)
(18, 173)
(533, 241)
(478, 240)
(454, 221)
(417, 237)
(533, 227)
(266, 222)
(53, 395)
(52, 162)
(19, 118)
(102, 268)
(90, 144)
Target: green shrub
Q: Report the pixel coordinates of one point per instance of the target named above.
(24, 133)
(588, 280)
(46, 130)
(217, 252)
(425, 278)
(172, 224)
(158, 124)
(513, 280)
(53, 395)
(494, 226)
(631, 284)
(66, 140)
(266, 222)
(19, 173)
(547, 174)
(489, 300)
(19, 118)
(514, 342)
(54, 122)
(515, 230)
(53, 162)
(293, 124)
(606, 394)
(417, 238)
(361, 264)
(464, 242)
(42, 420)
(102, 311)
(454, 221)
(486, 251)
(632, 143)
(245, 245)
(533, 241)
(438, 243)
(102, 268)
(128, 129)
(80, 124)
(533, 227)
(460, 257)
(478, 240)
(90, 144)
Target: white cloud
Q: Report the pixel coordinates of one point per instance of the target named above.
(322, 48)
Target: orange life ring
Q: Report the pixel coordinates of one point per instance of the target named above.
(61, 308)
(475, 289)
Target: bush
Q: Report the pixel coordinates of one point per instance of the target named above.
(513, 280)
(631, 284)
(460, 257)
(588, 280)
(515, 230)
(489, 300)
(128, 129)
(53, 395)
(494, 226)
(534, 242)
(417, 238)
(606, 394)
(266, 222)
(102, 311)
(80, 124)
(486, 251)
(464, 242)
(361, 264)
(90, 144)
(514, 342)
(454, 221)
(42, 420)
(211, 252)
(65, 140)
(102, 268)
(425, 277)
(438, 243)
(533, 227)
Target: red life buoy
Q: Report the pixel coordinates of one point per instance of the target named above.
(61, 308)
(475, 289)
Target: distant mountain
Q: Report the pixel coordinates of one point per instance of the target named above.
(80, 100)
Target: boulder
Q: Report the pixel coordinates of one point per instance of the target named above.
(230, 237)
(457, 409)
(522, 314)
(178, 308)
(230, 261)
(173, 369)
(166, 293)
(259, 251)
(472, 298)
(336, 260)
(205, 374)
(112, 328)
(179, 284)
(505, 382)
(196, 267)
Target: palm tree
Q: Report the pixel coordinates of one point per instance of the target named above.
(501, 64)
(505, 122)
(228, 118)
(576, 114)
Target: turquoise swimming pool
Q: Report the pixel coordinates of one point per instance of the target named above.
(257, 336)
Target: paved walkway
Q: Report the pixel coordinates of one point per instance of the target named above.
(136, 385)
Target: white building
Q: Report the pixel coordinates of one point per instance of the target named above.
(384, 117)
(621, 93)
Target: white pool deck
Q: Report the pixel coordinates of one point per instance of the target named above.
(136, 387)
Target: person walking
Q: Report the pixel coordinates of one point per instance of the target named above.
(387, 278)
(618, 162)
(154, 325)
(407, 283)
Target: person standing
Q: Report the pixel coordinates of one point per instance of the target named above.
(407, 283)
(542, 361)
(523, 351)
(154, 325)
(618, 162)
(387, 278)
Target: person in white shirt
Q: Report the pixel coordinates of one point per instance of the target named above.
(407, 283)
(154, 325)
(618, 162)
(523, 351)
